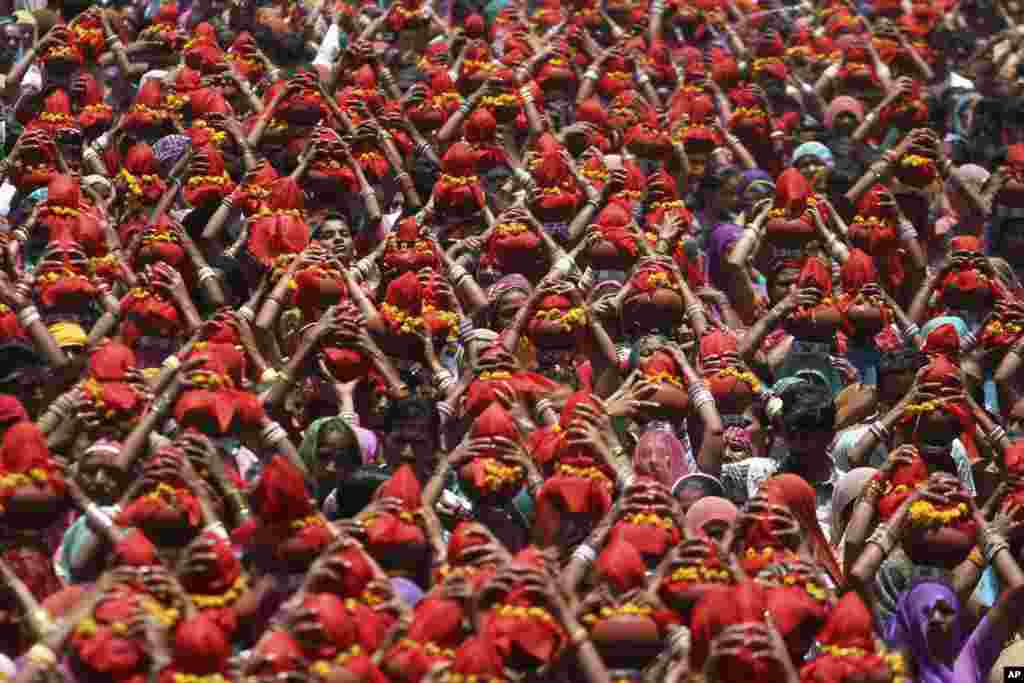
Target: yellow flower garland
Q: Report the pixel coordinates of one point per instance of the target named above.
(629, 609)
(495, 375)
(511, 229)
(924, 514)
(193, 678)
(497, 474)
(523, 612)
(311, 520)
(225, 599)
(701, 574)
(573, 318)
(649, 519)
(595, 473)
(743, 376)
(837, 651)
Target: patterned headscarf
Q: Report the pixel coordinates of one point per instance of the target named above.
(169, 149)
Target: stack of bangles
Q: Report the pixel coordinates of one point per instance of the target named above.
(699, 395)
(992, 543)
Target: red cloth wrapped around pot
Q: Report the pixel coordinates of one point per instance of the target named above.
(408, 249)
(655, 300)
(280, 228)
(789, 213)
(1011, 194)
(214, 185)
(486, 476)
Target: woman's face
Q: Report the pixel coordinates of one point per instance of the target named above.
(509, 306)
(727, 198)
(336, 235)
(782, 284)
(845, 122)
(940, 619)
(412, 440)
(101, 477)
(334, 454)
(813, 170)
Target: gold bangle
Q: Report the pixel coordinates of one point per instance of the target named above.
(43, 656)
(578, 636)
(977, 559)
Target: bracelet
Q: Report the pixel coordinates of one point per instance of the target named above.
(912, 331)
(269, 376)
(422, 148)
(565, 264)
(443, 380)
(578, 636)
(205, 273)
(403, 176)
(643, 78)
(992, 543)
(246, 313)
(465, 108)
(273, 433)
(977, 559)
(908, 231)
(679, 639)
(693, 310)
(444, 410)
(42, 656)
(882, 538)
(227, 202)
(996, 435)
(465, 327)
(591, 74)
(43, 622)
(585, 554)
(879, 430)
(872, 492)
(543, 405)
(968, 341)
(217, 529)
(171, 362)
(625, 481)
(27, 316)
(456, 273)
(20, 234)
(349, 417)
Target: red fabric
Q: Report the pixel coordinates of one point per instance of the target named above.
(200, 646)
(281, 494)
(793, 492)
(621, 565)
(135, 550)
(11, 411)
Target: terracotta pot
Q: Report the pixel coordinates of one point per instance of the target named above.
(627, 641)
(945, 546)
(606, 255)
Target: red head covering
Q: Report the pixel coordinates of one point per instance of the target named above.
(794, 493)
(621, 565)
(200, 646)
(282, 229)
(135, 550)
(816, 273)
(11, 411)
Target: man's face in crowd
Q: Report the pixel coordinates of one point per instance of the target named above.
(412, 440)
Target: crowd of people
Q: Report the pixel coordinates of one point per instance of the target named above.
(470, 342)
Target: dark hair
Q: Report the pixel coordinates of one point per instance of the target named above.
(412, 409)
(807, 406)
(705, 484)
(901, 360)
(358, 489)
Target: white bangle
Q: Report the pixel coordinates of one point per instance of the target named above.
(912, 331)
(172, 362)
(349, 417)
(908, 231)
(20, 234)
(679, 639)
(43, 656)
(27, 316)
(591, 74)
(246, 314)
(217, 529)
(205, 273)
(585, 554)
(269, 376)
(274, 433)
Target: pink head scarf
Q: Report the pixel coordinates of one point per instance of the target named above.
(709, 509)
(840, 105)
(660, 455)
